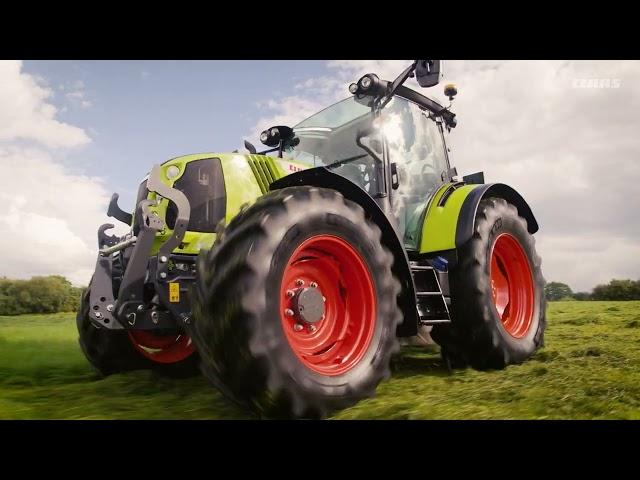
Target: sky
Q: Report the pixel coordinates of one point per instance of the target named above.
(566, 134)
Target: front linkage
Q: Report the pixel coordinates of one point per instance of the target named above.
(127, 305)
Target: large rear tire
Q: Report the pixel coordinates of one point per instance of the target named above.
(497, 289)
(295, 306)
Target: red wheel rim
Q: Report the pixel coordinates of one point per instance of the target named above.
(162, 348)
(336, 343)
(512, 285)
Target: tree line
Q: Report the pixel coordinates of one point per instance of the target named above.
(50, 294)
(614, 290)
(55, 293)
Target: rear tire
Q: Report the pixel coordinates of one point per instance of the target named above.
(497, 289)
(250, 345)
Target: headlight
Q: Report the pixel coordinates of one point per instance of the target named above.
(172, 172)
(365, 82)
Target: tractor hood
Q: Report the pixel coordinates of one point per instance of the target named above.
(217, 186)
(265, 169)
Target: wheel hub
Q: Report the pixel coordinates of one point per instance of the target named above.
(308, 304)
(328, 305)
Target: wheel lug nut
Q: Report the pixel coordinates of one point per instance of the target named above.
(312, 328)
(299, 282)
(324, 299)
(288, 312)
(314, 285)
(297, 327)
(290, 293)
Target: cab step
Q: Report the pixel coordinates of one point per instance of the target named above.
(431, 301)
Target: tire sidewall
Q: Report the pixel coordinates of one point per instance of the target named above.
(364, 374)
(505, 222)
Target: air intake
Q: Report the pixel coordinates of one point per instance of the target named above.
(265, 169)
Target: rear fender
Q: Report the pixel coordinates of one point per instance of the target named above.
(450, 217)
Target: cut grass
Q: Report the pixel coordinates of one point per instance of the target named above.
(589, 368)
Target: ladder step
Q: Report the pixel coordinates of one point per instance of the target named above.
(421, 267)
(434, 321)
(428, 294)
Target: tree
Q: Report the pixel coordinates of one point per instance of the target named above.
(618, 290)
(557, 291)
(38, 295)
(582, 296)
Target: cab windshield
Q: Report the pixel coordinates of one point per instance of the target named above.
(412, 135)
(328, 139)
(329, 136)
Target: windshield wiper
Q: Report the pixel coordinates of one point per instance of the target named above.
(347, 160)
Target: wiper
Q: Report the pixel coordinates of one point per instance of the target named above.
(339, 163)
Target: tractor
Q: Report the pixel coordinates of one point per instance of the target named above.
(289, 276)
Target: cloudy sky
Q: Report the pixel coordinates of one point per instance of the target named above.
(565, 134)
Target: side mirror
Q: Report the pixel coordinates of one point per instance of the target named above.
(428, 73)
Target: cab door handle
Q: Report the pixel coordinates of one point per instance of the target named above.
(395, 183)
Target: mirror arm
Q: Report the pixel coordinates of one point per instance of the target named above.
(408, 73)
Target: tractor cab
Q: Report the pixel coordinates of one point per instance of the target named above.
(404, 163)
(386, 138)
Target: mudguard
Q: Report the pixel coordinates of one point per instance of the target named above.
(450, 216)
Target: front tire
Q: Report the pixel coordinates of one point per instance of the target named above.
(497, 289)
(107, 351)
(118, 351)
(266, 337)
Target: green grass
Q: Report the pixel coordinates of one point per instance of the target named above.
(590, 368)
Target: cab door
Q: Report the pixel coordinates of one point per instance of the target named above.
(417, 160)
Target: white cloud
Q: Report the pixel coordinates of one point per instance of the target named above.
(77, 95)
(49, 216)
(286, 111)
(26, 113)
(572, 152)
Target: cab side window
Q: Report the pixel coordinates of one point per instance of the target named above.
(417, 148)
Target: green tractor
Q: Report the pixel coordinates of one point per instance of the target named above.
(288, 276)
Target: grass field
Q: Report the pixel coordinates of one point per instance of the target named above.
(590, 368)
